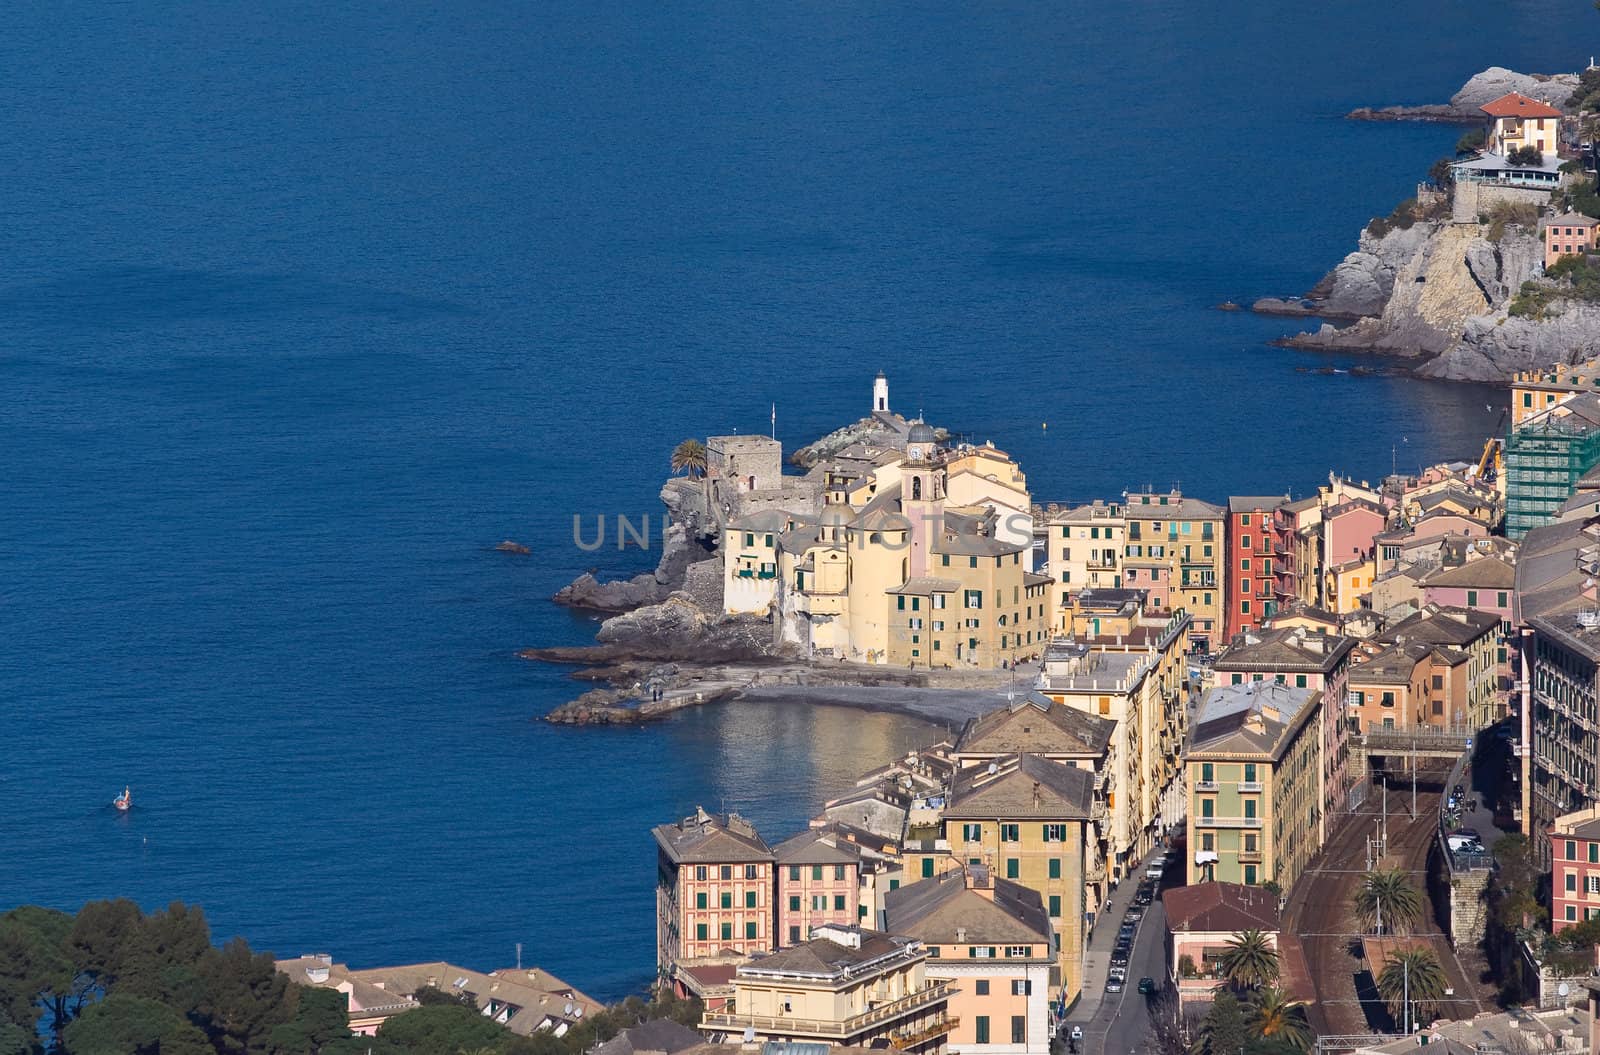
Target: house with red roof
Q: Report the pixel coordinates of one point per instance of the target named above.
(1518, 121)
(1515, 121)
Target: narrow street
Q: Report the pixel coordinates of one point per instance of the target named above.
(1321, 913)
(1118, 1023)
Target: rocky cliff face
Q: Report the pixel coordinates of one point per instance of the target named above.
(689, 537)
(1441, 291)
(1493, 346)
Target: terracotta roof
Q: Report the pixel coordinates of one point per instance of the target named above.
(1515, 104)
(1216, 907)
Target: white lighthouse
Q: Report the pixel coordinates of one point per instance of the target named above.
(880, 394)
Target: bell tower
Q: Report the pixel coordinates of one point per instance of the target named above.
(880, 394)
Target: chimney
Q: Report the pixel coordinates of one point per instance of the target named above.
(1036, 795)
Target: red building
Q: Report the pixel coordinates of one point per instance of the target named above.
(1575, 868)
(1259, 555)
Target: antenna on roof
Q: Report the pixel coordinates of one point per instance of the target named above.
(519, 956)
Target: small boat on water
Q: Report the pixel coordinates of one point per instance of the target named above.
(124, 801)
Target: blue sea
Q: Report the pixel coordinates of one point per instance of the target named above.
(304, 307)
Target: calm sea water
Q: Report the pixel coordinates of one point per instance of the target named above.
(303, 308)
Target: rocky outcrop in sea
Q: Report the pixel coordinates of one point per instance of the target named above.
(1484, 87)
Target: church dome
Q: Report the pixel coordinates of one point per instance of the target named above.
(921, 432)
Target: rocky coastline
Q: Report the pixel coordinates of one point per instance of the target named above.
(1483, 87)
(1433, 285)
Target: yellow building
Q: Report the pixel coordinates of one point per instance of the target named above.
(1027, 820)
(1351, 584)
(991, 938)
(1167, 545)
(909, 578)
(1535, 391)
(1254, 772)
(1139, 685)
(845, 986)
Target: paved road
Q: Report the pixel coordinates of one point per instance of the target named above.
(1115, 1023)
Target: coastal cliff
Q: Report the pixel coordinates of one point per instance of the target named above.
(690, 536)
(1453, 281)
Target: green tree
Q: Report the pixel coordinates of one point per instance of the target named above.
(133, 1025)
(1223, 1031)
(432, 994)
(318, 1020)
(1415, 972)
(243, 998)
(1471, 142)
(442, 1029)
(14, 1040)
(1250, 960)
(1274, 1017)
(689, 458)
(37, 977)
(1525, 157)
(1388, 902)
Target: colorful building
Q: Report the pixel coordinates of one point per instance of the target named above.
(848, 986)
(992, 940)
(714, 890)
(1535, 391)
(1254, 769)
(1140, 686)
(1259, 553)
(1202, 919)
(1301, 658)
(1516, 121)
(1575, 868)
(819, 882)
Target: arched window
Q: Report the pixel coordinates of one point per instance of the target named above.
(916, 488)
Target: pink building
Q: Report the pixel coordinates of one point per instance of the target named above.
(1575, 868)
(713, 890)
(1349, 530)
(819, 881)
(1568, 234)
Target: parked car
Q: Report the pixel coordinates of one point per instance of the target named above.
(1119, 958)
(1113, 986)
(1147, 985)
(1135, 913)
(1143, 897)
(1120, 973)
(1155, 870)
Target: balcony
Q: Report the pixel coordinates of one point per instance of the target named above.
(1249, 785)
(1228, 822)
(1205, 785)
(935, 993)
(1095, 564)
(937, 1028)
(1250, 856)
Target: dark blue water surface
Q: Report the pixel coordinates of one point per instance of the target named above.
(303, 308)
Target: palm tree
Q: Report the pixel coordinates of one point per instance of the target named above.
(1387, 901)
(1250, 961)
(689, 458)
(1414, 972)
(1274, 1016)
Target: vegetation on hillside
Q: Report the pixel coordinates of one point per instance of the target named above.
(113, 980)
(1587, 95)
(1525, 157)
